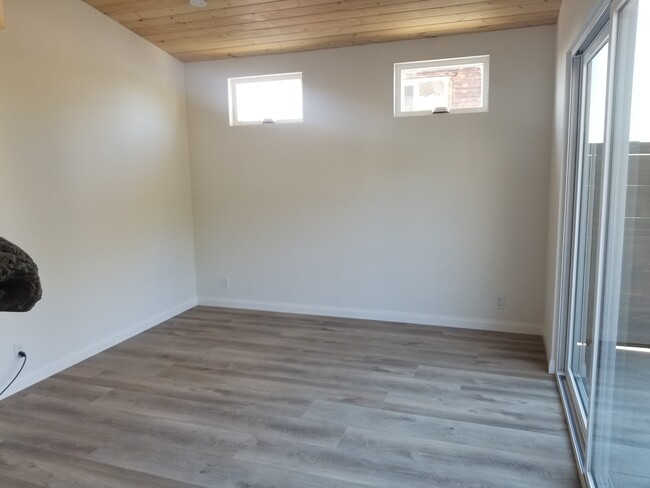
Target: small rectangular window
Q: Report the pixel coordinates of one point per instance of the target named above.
(457, 85)
(265, 99)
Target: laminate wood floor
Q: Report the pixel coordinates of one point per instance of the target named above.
(219, 398)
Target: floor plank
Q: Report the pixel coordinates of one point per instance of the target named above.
(221, 398)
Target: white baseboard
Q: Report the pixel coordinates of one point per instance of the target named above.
(78, 356)
(551, 366)
(381, 315)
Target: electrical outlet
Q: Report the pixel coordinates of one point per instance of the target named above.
(501, 303)
(225, 282)
(18, 347)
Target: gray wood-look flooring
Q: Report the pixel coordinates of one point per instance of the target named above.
(238, 399)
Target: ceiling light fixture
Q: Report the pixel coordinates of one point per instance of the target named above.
(198, 3)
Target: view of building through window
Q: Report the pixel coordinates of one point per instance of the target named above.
(454, 85)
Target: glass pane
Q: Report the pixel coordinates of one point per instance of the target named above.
(430, 85)
(424, 91)
(588, 222)
(267, 99)
(622, 447)
(275, 100)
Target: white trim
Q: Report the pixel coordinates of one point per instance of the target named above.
(88, 351)
(551, 367)
(380, 315)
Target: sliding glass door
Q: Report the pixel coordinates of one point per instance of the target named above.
(604, 365)
(621, 445)
(588, 210)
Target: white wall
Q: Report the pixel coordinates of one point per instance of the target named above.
(94, 182)
(357, 213)
(573, 19)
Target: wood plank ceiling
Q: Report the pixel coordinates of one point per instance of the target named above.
(231, 28)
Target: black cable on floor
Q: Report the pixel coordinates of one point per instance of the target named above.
(23, 355)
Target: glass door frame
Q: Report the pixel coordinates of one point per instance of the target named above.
(595, 37)
(620, 111)
(581, 62)
(604, 25)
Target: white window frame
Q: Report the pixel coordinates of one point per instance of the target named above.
(441, 63)
(232, 99)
